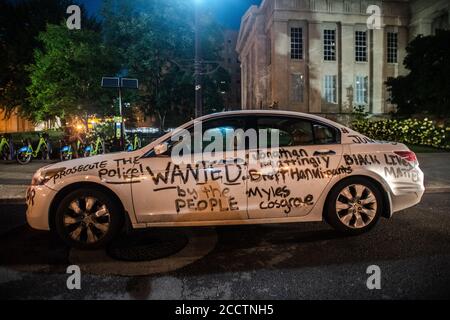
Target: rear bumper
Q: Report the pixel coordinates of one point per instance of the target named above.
(408, 193)
(405, 201)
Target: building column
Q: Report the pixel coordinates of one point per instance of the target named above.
(244, 83)
(347, 55)
(378, 66)
(261, 73)
(425, 27)
(314, 62)
(280, 70)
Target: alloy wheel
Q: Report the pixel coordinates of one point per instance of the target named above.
(356, 206)
(87, 220)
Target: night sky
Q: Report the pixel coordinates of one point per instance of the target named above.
(227, 12)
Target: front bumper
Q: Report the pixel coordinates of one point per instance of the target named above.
(39, 199)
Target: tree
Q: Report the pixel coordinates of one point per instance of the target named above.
(155, 42)
(20, 24)
(65, 78)
(426, 88)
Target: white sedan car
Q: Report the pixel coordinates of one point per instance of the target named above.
(277, 167)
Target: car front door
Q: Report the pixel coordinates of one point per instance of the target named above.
(287, 181)
(188, 186)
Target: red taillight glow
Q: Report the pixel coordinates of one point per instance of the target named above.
(407, 155)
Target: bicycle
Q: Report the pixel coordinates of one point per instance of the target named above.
(93, 149)
(5, 149)
(66, 151)
(137, 143)
(26, 153)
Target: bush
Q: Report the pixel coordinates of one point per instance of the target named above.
(410, 131)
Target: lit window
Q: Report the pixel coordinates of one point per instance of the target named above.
(361, 90)
(296, 43)
(298, 85)
(329, 45)
(330, 89)
(392, 46)
(360, 46)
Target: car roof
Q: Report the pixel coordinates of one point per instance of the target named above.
(256, 112)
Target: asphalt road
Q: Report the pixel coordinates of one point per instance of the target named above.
(291, 261)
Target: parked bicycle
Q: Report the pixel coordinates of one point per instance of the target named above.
(135, 145)
(67, 152)
(96, 148)
(5, 148)
(27, 153)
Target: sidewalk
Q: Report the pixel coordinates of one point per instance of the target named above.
(14, 178)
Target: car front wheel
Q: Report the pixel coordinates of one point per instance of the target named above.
(88, 219)
(354, 206)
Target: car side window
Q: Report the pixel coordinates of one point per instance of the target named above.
(293, 131)
(290, 131)
(225, 129)
(229, 130)
(324, 134)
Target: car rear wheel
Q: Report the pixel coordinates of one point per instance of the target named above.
(88, 219)
(354, 206)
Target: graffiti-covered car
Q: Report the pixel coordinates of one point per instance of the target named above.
(241, 167)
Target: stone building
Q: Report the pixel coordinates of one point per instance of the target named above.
(328, 56)
(231, 63)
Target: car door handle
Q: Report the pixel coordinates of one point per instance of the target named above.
(324, 153)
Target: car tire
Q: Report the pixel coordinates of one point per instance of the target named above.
(88, 218)
(354, 206)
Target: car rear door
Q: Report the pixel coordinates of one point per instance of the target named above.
(287, 181)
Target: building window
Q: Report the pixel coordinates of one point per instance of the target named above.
(392, 46)
(329, 45)
(361, 90)
(360, 46)
(330, 89)
(296, 43)
(297, 87)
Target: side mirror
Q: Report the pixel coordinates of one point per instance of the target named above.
(160, 149)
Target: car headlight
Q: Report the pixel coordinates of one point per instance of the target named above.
(43, 176)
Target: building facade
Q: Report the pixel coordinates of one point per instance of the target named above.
(329, 56)
(14, 123)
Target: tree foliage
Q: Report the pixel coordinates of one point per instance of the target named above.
(50, 71)
(426, 88)
(20, 24)
(65, 78)
(155, 42)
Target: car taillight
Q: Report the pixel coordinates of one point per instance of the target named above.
(407, 155)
